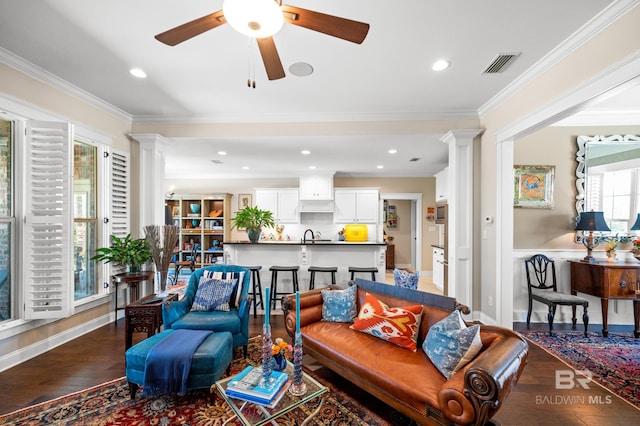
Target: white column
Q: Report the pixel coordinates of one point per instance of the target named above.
(460, 219)
(151, 167)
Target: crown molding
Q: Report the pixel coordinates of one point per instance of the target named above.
(16, 62)
(592, 28)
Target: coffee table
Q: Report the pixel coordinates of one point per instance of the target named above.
(262, 414)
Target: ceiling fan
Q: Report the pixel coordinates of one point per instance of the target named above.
(263, 18)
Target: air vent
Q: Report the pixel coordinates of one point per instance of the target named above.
(500, 63)
(414, 159)
(216, 161)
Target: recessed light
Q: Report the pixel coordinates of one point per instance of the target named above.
(137, 72)
(312, 167)
(245, 167)
(441, 64)
(393, 151)
(305, 152)
(222, 153)
(380, 166)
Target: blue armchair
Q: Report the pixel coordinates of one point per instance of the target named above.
(177, 315)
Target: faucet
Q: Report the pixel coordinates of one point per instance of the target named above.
(304, 238)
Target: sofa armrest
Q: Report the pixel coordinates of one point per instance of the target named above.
(487, 380)
(173, 310)
(310, 309)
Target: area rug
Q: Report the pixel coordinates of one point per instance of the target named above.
(110, 404)
(613, 361)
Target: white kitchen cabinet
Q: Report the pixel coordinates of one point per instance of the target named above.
(282, 202)
(438, 268)
(442, 185)
(316, 187)
(356, 206)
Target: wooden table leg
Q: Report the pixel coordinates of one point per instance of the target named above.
(605, 315)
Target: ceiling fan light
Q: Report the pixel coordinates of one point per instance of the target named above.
(253, 18)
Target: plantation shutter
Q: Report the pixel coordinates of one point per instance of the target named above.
(47, 250)
(119, 198)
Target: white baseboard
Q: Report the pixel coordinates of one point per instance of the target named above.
(17, 357)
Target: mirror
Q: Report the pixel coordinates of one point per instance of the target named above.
(608, 178)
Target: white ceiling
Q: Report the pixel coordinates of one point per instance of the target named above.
(93, 44)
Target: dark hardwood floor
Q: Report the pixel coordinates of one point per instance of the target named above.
(99, 357)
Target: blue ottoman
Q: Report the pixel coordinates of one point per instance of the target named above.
(210, 361)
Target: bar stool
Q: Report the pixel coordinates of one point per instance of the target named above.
(372, 269)
(255, 279)
(314, 269)
(274, 280)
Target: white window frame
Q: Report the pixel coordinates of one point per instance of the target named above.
(20, 114)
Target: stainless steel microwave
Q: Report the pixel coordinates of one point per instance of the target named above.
(441, 213)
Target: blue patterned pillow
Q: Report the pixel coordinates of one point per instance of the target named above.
(236, 277)
(450, 344)
(406, 279)
(213, 295)
(339, 305)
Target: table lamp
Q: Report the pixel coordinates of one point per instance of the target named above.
(590, 222)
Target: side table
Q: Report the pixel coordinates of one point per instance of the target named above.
(131, 279)
(145, 316)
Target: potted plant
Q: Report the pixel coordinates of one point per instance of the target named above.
(129, 252)
(253, 220)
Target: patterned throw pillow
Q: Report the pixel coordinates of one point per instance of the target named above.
(236, 277)
(339, 305)
(406, 279)
(450, 344)
(212, 295)
(396, 325)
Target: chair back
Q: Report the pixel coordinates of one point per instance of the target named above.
(541, 273)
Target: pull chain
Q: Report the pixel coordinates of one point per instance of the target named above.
(251, 79)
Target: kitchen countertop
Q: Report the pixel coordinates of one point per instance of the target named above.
(311, 243)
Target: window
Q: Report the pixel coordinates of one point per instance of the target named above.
(6, 220)
(616, 193)
(54, 216)
(85, 220)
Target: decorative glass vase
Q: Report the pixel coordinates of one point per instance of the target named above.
(279, 362)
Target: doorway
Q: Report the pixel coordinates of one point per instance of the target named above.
(413, 241)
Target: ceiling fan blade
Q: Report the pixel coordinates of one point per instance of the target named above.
(191, 29)
(345, 29)
(270, 57)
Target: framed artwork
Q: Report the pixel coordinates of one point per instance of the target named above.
(244, 200)
(533, 187)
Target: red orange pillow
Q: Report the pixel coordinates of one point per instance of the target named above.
(397, 325)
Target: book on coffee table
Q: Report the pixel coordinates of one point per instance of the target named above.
(271, 404)
(248, 384)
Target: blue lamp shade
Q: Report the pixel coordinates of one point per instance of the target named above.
(593, 221)
(636, 226)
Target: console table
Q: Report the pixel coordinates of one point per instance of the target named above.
(608, 280)
(144, 315)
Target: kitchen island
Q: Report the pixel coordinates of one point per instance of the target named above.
(304, 254)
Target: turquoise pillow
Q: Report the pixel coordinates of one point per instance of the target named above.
(450, 344)
(213, 295)
(339, 305)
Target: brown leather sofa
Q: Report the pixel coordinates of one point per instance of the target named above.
(406, 380)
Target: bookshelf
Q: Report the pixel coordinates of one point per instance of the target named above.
(203, 221)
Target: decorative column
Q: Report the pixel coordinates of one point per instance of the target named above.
(461, 214)
(151, 179)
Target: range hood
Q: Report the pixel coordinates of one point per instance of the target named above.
(316, 206)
